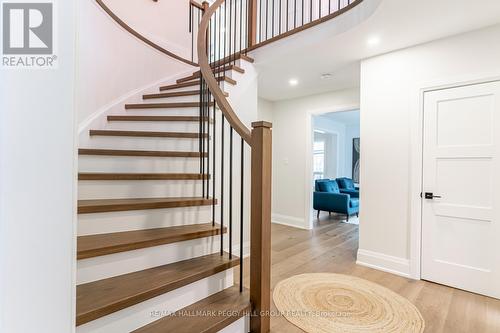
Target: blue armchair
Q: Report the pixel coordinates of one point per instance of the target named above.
(328, 198)
(346, 185)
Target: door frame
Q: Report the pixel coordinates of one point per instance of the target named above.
(416, 159)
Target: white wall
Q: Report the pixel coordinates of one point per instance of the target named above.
(265, 110)
(292, 152)
(391, 90)
(166, 23)
(37, 183)
(112, 63)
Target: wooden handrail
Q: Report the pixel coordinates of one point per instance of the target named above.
(206, 72)
(141, 37)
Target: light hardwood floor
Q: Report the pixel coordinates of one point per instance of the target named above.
(331, 247)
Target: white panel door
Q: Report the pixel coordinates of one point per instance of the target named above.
(461, 179)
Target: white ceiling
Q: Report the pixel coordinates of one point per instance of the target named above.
(338, 45)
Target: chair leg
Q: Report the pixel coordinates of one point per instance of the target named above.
(347, 217)
(357, 214)
(318, 213)
(329, 214)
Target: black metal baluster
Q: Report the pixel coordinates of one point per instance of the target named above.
(246, 24)
(222, 188)
(235, 30)
(214, 127)
(200, 122)
(230, 30)
(272, 20)
(267, 16)
(311, 11)
(287, 15)
(319, 12)
(242, 179)
(231, 193)
(294, 14)
(220, 39)
(241, 22)
(207, 177)
(202, 134)
(191, 31)
(247, 44)
(281, 21)
(302, 7)
(260, 21)
(338, 8)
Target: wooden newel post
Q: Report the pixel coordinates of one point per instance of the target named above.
(260, 229)
(252, 22)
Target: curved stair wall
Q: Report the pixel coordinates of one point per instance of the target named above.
(113, 64)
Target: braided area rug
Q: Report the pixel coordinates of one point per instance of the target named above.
(335, 303)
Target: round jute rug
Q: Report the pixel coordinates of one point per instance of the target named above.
(335, 303)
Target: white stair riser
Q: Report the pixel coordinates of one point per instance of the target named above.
(162, 126)
(141, 314)
(143, 143)
(187, 111)
(92, 163)
(242, 325)
(101, 223)
(119, 189)
(175, 99)
(102, 267)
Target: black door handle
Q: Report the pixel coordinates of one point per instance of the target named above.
(430, 195)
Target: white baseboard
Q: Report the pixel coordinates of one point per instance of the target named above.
(290, 221)
(383, 262)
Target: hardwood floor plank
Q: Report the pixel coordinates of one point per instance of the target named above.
(332, 247)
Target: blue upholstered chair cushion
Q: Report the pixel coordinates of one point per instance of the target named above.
(354, 202)
(329, 186)
(346, 183)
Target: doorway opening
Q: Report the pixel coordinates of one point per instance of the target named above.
(336, 167)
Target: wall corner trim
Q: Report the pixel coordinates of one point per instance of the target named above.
(383, 262)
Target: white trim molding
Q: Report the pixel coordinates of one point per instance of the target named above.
(383, 262)
(290, 221)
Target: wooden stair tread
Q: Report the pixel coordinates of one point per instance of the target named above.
(103, 244)
(227, 306)
(117, 205)
(219, 69)
(165, 105)
(179, 135)
(176, 94)
(153, 118)
(103, 297)
(195, 83)
(145, 153)
(231, 58)
(172, 94)
(140, 176)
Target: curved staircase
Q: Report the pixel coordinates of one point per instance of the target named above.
(145, 231)
(155, 227)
